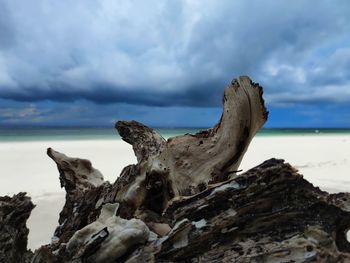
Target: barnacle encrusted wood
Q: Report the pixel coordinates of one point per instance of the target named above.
(185, 165)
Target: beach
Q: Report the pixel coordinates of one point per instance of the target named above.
(323, 159)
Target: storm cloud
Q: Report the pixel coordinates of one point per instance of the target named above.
(173, 53)
(165, 63)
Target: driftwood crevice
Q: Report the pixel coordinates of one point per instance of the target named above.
(185, 201)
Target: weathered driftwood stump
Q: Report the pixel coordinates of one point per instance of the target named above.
(184, 200)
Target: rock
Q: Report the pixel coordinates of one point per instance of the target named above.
(14, 212)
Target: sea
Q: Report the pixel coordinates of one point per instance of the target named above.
(55, 134)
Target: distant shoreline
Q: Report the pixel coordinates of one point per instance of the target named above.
(54, 134)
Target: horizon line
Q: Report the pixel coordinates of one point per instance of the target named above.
(154, 127)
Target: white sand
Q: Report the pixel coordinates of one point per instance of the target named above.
(26, 167)
(324, 160)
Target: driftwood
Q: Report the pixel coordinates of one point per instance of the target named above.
(184, 200)
(14, 212)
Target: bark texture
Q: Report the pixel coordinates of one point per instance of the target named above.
(184, 200)
(14, 212)
(185, 165)
(267, 214)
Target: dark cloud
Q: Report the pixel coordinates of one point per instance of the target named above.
(201, 95)
(85, 113)
(173, 53)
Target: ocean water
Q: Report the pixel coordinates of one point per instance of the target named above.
(47, 134)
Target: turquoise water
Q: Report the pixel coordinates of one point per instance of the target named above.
(43, 134)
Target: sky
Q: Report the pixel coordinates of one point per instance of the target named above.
(166, 63)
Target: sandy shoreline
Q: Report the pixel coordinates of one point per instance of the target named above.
(324, 160)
